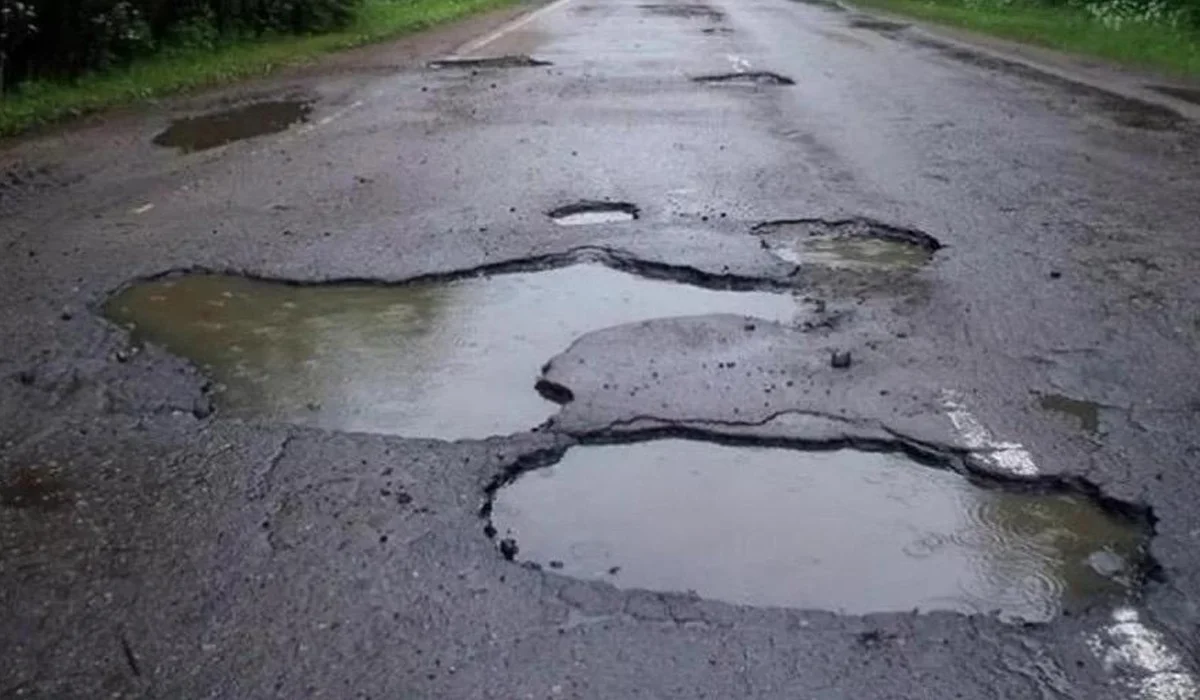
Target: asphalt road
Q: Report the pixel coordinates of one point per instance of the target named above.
(157, 545)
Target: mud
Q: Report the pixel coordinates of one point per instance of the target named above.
(848, 531)
(446, 359)
(221, 128)
(747, 78)
(1086, 414)
(685, 11)
(510, 61)
(1180, 93)
(593, 212)
(877, 25)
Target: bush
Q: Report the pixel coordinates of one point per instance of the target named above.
(65, 38)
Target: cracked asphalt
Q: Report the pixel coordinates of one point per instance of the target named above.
(153, 547)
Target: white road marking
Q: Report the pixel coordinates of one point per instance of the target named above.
(473, 46)
(1143, 659)
(1011, 457)
(143, 209)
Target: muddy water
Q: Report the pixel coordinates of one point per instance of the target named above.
(1085, 413)
(847, 252)
(841, 530)
(449, 360)
(219, 128)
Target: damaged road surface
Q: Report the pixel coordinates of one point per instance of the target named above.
(609, 350)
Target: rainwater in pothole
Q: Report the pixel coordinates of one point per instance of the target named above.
(847, 244)
(220, 128)
(453, 359)
(847, 531)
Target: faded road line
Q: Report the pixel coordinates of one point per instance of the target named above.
(473, 46)
(1143, 659)
(1011, 457)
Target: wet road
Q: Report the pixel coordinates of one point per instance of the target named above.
(953, 260)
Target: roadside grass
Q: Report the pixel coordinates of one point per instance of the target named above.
(177, 70)
(1139, 44)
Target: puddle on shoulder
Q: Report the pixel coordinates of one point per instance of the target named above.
(220, 128)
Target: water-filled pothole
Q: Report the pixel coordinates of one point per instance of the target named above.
(754, 77)
(448, 359)
(877, 25)
(693, 11)
(510, 61)
(850, 243)
(1181, 93)
(844, 530)
(589, 212)
(219, 128)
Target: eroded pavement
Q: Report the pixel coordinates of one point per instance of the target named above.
(275, 409)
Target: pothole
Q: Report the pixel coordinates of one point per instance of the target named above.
(755, 77)
(593, 212)
(220, 128)
(446, 359)
(848, 243)
(1086, 414)
(848, 531)
(716, 30)
(877, 25)
(1180, 93)
(685, 11)
(510, 61)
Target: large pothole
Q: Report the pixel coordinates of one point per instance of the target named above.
(447, 359)
(847, 243)
(845, 530)
(224, 127)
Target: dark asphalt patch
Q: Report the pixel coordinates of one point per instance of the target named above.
(877, 25)
(220, 128)
(842, 530)
(847, 243)
(593, 212)
(1180, 93)
(1085, 413)
(454, 358)
(511, 61)
(757, 77)
(686, 11)
(1122, 110)
(37, 488)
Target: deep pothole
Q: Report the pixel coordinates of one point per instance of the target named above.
(509, 61)
(593, 212)
(754, 77)
(686, 11)
(847, 243)
(446, 359)
(247, 121)
(847, 531)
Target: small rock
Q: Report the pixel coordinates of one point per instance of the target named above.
(1106, 563)
(840, 359)
(509, 548)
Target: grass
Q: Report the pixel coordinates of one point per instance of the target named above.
(1064, 28)
(41, 102)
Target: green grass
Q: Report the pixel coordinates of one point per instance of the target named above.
(41, 102)
(1063, 28)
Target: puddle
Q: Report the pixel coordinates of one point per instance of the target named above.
(38, 488)
(1180, 93)
(584, 213)
(455, 359)
(1085, 413)
(853, 243)
(511, 61)
(757, 77)
(219, 128)
(848, 531)
(686, 11)
(877, 25)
